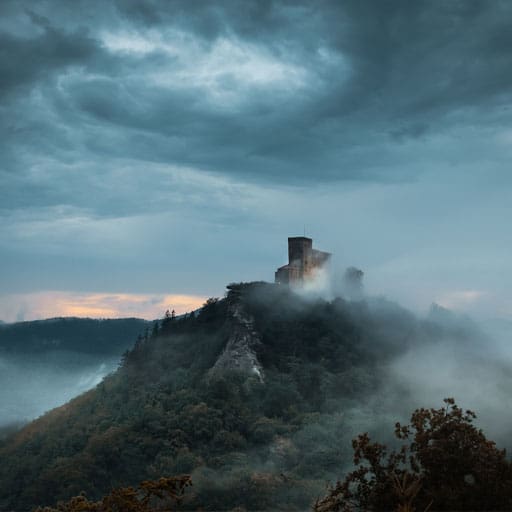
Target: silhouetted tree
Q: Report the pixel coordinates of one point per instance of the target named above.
(445, 463)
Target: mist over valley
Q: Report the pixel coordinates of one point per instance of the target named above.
(44, 364)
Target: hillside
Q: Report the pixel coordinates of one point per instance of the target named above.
(258, 395)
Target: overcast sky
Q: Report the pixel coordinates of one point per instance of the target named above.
(154, 151)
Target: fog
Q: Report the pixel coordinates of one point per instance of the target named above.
(443, 354)
(33, 384)
(476, 371)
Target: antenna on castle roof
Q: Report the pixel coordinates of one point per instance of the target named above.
(304, 230)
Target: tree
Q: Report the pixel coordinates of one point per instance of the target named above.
(444, 463)
(145, 498)
(167, 321)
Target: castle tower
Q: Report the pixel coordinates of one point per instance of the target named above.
(303, 261)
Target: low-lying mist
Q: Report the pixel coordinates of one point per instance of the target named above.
(475, 368)
(33, 384)
(45, 363)
(447, 354)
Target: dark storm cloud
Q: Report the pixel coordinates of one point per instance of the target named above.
(272, 92)
(457, 51)
(422, 57)
(24, 61)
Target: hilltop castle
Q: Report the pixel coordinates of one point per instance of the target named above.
(303, 262)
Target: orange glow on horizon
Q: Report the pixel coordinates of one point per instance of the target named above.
(49, 304)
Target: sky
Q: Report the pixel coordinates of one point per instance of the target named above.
(152, 152)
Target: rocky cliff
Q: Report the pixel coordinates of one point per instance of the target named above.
(239, 353)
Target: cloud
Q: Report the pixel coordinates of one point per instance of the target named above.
(291, 93)
(51, 51)
(212, 123)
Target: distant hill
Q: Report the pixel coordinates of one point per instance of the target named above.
(84, 335)
(257, 396)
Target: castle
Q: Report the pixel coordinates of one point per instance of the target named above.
(303, 262)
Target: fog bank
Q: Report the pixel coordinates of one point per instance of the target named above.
(32, 385)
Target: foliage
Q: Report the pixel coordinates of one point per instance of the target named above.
(444, 463)
(147, 497)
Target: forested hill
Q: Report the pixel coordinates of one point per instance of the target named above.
(84, 335)
(255, 396)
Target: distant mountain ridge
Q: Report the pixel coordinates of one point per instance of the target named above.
(84, 335)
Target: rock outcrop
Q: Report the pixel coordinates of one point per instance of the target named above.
(240, 351)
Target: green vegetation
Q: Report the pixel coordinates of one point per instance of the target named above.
(260, 445)
(444, 463)
(149, 496)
